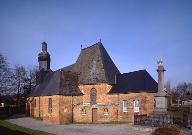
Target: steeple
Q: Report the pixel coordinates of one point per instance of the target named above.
(44, 58)
(44, 47)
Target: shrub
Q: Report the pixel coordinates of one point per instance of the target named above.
(172, 129)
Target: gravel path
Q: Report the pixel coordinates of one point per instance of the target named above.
(79, 129)
(84, 129)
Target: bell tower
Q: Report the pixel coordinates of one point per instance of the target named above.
(44, 58)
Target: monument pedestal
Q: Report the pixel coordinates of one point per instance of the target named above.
(159, 119)
(160, 116)
(161, 102)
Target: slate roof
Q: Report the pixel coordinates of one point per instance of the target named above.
(68, 68)
(137, 81)
(52, 86)
(94, 65)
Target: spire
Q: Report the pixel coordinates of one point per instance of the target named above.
(44, 58)
(44, 46)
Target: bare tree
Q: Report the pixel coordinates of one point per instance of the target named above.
(168, 87)
(182, 88)
(20, 75)
(5, 77)
(180, 91)
(189, 88)
(30, 81)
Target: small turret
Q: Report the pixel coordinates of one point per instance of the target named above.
(44, 58)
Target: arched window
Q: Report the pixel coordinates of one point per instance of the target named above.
(83, 111)
(93, 96)
(105, 112)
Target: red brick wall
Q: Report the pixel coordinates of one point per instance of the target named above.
(113, 103)
(62, 106)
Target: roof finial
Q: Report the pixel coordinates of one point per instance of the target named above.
(81, 47)
(100, 40)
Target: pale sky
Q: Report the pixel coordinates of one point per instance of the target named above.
(134, 32)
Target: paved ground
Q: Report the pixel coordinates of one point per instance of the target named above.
(83, 129)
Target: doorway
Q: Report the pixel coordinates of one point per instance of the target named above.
(94, 115)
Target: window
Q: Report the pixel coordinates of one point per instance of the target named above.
(105, 112)
(49, 105)
(93, 96)
(35, 103)
(125, 106)
(83, 111)
(137, 104)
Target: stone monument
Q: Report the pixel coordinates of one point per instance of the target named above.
(160, 116)
(161, 98)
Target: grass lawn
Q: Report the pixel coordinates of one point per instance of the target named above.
(7, 128)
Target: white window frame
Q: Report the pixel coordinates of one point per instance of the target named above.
(136, 106)
(125, 106)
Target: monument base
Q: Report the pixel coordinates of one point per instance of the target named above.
(161, 102)
(159, 119)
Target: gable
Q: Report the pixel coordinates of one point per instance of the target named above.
(94, 66)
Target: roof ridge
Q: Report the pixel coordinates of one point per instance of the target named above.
(98, 43)
(135, 71)
(102, 57)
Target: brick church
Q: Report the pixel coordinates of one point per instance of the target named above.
(92, 90)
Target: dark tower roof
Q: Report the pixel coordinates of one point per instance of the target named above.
(94, 65)
(44, 55)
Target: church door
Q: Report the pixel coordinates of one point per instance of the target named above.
(94, 115)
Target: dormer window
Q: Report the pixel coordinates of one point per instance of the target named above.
(93, 96)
